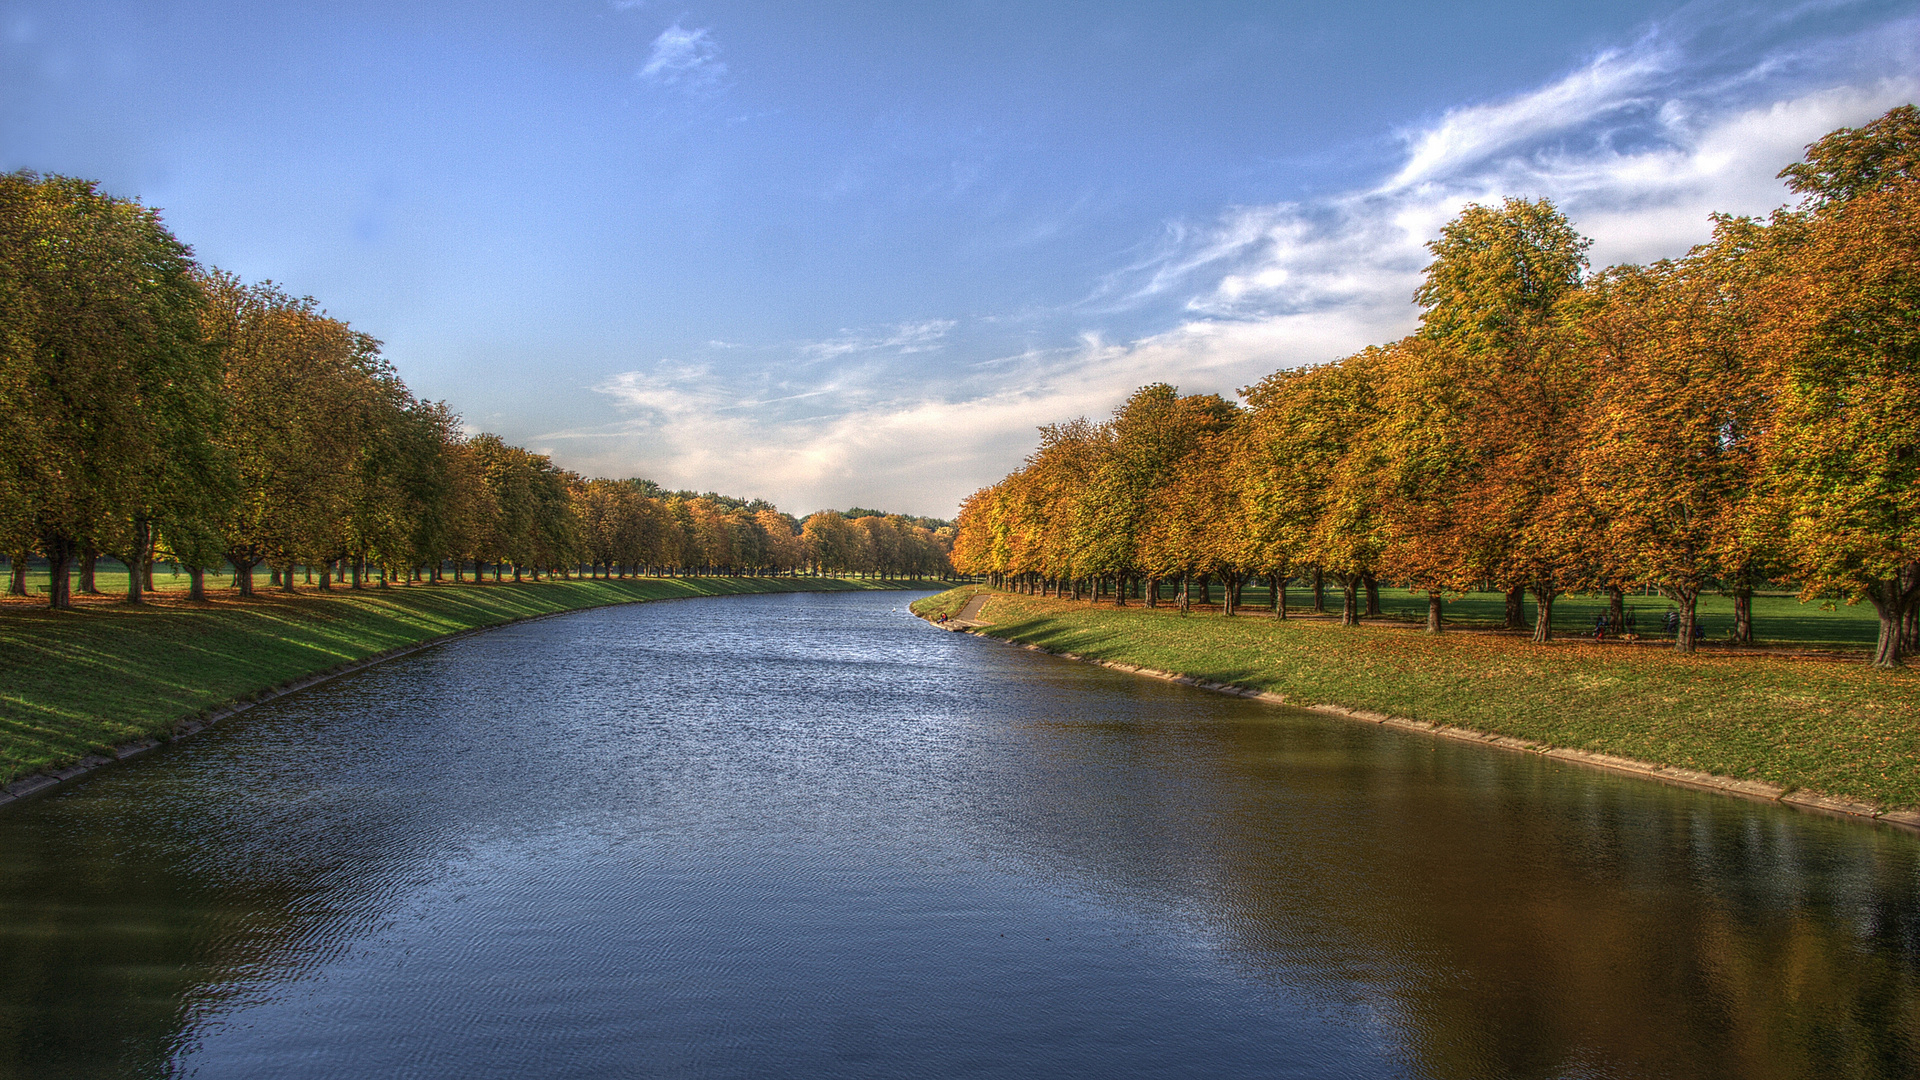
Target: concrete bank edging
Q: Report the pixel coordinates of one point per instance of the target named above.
(42, 783)
(1756, 790)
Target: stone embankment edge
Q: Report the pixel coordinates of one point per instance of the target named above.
(1757, 790)
(43, 783)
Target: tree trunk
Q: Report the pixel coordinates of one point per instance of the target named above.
(1516, 608)
(1349, 600)
(1153, 592)
(139, 561)
(17, 580)
(1319, 591)
(1373, 593)
(1743, 608)
(1433, 613)
(1543, 613)
(1689, 601)
(196, 584)
(89, 558)
(59, 559)
(1910, 629)
(1616, 610)
(1185, 599)
(1234, 584)
(243, 574)
(1894, 600)
(1277, 587)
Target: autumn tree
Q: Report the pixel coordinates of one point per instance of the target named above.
(110, 388)
(1493, 295)
(1427, 469)
(1669, 451)
(1844, 458)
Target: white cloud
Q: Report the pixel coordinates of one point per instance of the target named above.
(903, 339)
(1636, 153)
(1468, 136)
(684, 59)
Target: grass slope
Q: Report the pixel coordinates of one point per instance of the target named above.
(1839, 728)
(81, 682)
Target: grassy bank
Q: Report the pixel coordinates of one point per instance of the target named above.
(79, 682)
(1838, 728)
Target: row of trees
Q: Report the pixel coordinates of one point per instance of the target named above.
(1746, 414)
(150, 407)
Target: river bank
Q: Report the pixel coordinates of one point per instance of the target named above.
(1830, 736)
(104, 682)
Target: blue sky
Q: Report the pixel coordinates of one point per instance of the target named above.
(857, 252)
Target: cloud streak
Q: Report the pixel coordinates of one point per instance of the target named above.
(904, 339)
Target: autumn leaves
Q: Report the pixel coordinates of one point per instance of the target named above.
(1749, 413)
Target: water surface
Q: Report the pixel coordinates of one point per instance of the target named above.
(810, 835)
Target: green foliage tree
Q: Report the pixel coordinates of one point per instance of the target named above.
(112, 392)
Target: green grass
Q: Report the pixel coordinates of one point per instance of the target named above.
(946, 603)
(1778, 618)
(79, 682)
(1841, 728)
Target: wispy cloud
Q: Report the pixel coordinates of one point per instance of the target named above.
(1466, 138)
(903, 339)
(1636, 146)
(687, 60)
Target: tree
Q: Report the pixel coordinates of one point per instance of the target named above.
(1669, 454)
(1426, 469)
(1844, 457)
(1310, 490)
(111, 390)
(831, 542)
(1494, 295)
(296, 386)
(1847, 163)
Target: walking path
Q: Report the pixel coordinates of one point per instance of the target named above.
(969, 616)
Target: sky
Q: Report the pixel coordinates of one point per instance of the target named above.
(856, 253)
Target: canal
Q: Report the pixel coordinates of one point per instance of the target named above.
(810, 835)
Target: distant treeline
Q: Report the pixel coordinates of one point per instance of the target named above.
(150, 406)
(1749, 413)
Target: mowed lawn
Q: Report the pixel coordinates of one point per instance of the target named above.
(83, 681)
(1827, 725)
(1778, 618)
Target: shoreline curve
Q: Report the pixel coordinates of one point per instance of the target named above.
(38, 784)
(1753, 790)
